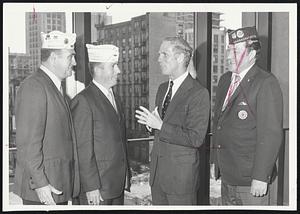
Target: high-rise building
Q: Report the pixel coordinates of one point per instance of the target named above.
(35, 23)
(218, 65)
(141, 75)
(98, 20)
(185, 26)
(19, 69)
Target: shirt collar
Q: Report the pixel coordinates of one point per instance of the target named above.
(177, 82)
(244, 72)
(52, 76)
(101, 87)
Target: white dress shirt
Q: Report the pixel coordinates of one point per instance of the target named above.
(176, 84)
(108, 93)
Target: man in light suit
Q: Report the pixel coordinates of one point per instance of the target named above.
(247, 124)
(100, 131)
(47, 164)
(180, 122)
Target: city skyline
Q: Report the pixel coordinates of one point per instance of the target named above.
(16, 36)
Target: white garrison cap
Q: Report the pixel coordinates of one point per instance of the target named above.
(58, 40)
(103, 53)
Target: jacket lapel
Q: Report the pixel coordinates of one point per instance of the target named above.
(56, 92)
(98, 93)
(186, 85)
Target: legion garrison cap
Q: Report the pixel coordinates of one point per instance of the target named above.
(102, 53)
(242, 34)
(58, 40)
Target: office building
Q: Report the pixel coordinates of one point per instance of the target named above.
(35, 23)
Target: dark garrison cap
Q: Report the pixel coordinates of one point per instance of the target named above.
(242, 34)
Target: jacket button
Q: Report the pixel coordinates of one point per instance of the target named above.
(219, 146)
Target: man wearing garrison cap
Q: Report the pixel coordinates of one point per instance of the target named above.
(100, 130)
(47, 162)
(247, 124)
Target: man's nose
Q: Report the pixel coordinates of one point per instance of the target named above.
(159, 59)
(117, 69)
(74, 61)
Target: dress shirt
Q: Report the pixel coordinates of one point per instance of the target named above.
(107, 93)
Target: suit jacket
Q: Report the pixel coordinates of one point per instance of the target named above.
(247, 135)
(45, 138)
(175, 154)
(101, 138)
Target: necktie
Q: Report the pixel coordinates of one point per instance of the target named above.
(233, 85)
(167, 100)
(61, 90)
(112, 99)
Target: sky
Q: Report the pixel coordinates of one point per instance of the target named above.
(16, 19)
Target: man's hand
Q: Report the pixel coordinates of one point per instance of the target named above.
(94, 197)
(149, 119)
(44, 194)
(258, 188)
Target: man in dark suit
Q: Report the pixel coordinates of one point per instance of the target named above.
(100, 131)
(47, 164)
(180, 122)
(247, 124)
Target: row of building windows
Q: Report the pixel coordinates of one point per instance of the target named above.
(54, 21)
(54, 15)
(216, 39)
(215, 69)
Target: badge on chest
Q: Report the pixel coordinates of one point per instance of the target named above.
(242, 114)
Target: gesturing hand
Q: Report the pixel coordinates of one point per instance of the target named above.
(149, 119)
(94, 197)
(44, 194)
(258, 188)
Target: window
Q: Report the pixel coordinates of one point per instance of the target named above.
(215, 69)
(216, 59)
(222, 39)
(215, 49)
(215, 39)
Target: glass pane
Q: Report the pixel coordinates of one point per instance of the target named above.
(221, 22)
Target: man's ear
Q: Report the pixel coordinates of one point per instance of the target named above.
(52, 56)
(180, 57)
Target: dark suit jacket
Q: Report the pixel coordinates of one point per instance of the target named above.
(45, 138)
(246, 148)
(175, 155)
(101, 138)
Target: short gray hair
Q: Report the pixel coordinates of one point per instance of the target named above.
(181, 46)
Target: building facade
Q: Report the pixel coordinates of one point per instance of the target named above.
(35, 23)
(19, 69)
(218, 64)
(141, 74)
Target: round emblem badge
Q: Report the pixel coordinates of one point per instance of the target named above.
(242, 114)
(240, 34)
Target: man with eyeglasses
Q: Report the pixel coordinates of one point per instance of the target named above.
(247, 124)
(180, 122)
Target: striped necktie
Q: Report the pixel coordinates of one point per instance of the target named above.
(233, 85)
(167, 100)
